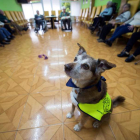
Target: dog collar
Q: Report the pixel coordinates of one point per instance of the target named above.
(98, 85)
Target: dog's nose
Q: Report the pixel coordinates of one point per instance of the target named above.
(68, 67)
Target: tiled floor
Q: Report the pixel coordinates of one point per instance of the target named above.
(34, 100)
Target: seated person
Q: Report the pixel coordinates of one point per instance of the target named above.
(127, 27)
(5, 36)
(39, 19)
(4, 19)
(64, 14)
(131, 42)
(104, 16)
(124, 16)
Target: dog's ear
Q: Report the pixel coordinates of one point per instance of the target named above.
(103, 65)
(81, 49)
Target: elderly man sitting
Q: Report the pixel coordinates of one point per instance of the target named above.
(65, 17)
(39, 19)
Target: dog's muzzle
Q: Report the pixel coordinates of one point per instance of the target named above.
(68, 67)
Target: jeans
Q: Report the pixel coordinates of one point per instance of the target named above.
(119, 31)
(131, 42)
(6, 33)
(105, 31)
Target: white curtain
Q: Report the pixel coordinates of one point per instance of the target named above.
(37, 6)
(28, 11)
(47, 6)
(56, 6)
(75, 8)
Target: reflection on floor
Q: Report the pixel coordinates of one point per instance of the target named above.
(34, 100)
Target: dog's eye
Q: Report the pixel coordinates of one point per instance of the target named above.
(75, 59)
(85, 66)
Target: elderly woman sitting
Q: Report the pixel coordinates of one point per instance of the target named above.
(64, 17)
(127, 27)
(104, 16)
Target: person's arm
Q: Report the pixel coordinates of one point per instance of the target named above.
(108, 12)
(123, 17)
(128, 21)
(60, 15)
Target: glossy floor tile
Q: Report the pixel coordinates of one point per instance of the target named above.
(34, 99)
(42, 109)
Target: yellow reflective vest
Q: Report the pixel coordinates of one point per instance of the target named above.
(97, 110)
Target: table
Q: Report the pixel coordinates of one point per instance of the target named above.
(52, 21)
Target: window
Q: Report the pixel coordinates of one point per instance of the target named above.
(47, 6)
(75, 8)
(56, 6)
(28, 11)
(37, 6)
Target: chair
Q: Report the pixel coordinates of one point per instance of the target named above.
(86, 15)
(8, 15)
(62, 25)
(22, 19)
(46, 13)
(90, 21)
(78, 18)
(103, 8)
(59, 12)
(53, 13)
(83, 14)
(15, 19)
(25, 20)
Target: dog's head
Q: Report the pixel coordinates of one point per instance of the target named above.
(85, 67)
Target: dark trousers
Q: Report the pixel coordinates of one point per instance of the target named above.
(98, 21)
(105, 31)
(8, 28)
(131, 42)
(66, 21)
(120, 31)
(42, 23)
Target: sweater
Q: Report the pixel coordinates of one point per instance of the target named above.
(135, 20)
(3, 18)
(123, 17)
(107, 12)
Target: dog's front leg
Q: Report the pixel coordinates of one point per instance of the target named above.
(71, 113)
(83, 120)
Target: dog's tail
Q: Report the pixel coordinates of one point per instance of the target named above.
(118, 100)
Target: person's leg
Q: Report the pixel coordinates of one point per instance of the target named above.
(8, 28)
(64, 22)
(137, 52)
(105, 31)
(120, 30)
(6, 32)
(68, 21)
(132, 57)
(2, 35)
(132, 41)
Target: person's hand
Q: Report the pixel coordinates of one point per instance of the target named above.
(131, 27)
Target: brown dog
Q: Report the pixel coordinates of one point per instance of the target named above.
(89, 88)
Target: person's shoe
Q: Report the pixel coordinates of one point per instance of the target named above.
(4, 43)
(25, 29)
(7, 40)
(98, 39)
(108, 42)
(12, 37)
(123, 54)
(101, 40)
(91, 27)
(130, 58)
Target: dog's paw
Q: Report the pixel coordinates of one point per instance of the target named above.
(69, 115)
(96, 124)
(77, 128)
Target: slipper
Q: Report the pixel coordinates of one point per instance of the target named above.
(40, 56)
(45, 57)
